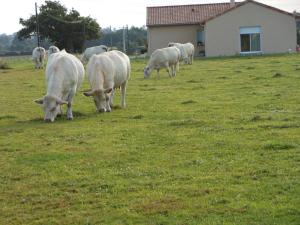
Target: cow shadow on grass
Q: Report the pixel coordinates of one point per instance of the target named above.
(77, 116)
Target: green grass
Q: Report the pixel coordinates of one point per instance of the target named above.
(218, 144)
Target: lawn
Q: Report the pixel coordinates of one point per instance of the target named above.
(217, 144)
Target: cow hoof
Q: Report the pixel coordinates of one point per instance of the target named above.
(69, 118)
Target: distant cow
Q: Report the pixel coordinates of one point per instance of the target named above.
(163, 58)
(52, 49)
(64, 75)
(106, 72)
(93, 50)
(38, 56)
(186, 51)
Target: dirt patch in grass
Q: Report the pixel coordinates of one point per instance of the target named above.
(192, 81)
(260, 118)
(188, 102)
(187, 122)
(283, 126)
(162, 206)
(277, 75)
(136, 117)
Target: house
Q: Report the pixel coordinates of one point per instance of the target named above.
(223, 29)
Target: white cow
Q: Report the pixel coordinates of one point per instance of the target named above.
(64, 75)
(38, 56)
(106, 72)
(93, 50)
(187, 51)
(163, 58)
(52, 49)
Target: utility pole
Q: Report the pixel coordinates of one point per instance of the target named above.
(127, 38)
(37, 26)
(110, 34)
(124, 40)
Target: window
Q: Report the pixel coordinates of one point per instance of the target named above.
(250, 39)
(200, 38)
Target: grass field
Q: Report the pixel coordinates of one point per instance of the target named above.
(217, 144)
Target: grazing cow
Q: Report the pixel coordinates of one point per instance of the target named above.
(93, 50)
(106, 72)
(64, 75)
(163, 58)
(38, 56)
(52, 49)
(186, 50)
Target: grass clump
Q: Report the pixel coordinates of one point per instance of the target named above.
(4, 65)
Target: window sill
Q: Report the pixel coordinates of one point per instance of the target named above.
(250, 53)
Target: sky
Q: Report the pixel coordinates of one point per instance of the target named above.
(114, 13)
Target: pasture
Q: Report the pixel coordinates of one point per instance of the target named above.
(217, 144)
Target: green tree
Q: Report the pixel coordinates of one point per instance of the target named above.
(65, 29)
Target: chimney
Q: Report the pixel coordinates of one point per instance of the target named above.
(232, 3)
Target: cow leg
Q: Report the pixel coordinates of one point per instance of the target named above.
(169, 71)
(177, 66)
(60, 112)
(123, 93)
(158, 73)
(69, 100)
(111, 99)
(69, 111)
(174, 70)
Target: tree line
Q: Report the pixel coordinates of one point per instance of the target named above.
(136, 41)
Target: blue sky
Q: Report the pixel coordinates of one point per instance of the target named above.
(115, 13)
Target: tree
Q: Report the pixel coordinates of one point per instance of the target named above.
(65, 29)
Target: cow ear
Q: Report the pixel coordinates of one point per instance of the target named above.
(107, 90)
(39, 101)
(89, 93)
(105, 48)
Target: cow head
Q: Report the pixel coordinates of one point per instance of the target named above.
(101, 99)
(51, 106)
(147, 72)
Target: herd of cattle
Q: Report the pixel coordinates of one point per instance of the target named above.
(106, 71)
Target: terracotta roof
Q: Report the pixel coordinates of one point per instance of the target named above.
(194, 14)
(183, 14)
